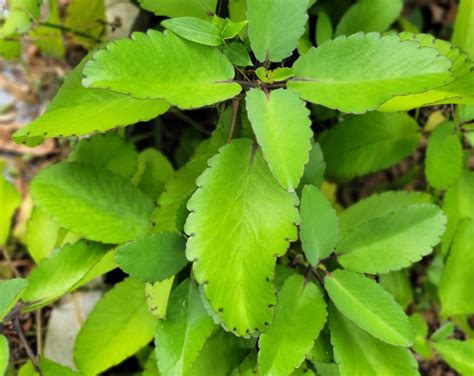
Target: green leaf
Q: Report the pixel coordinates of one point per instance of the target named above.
(299, 318)
(315, 169)
(195, 30)
(324, 28)
(458, 354)
(47, 367)
(108, 151)
(151, 367)
(92, 202)
(455, 289)
(285, 148)
(234, 244)
(180, 8)
(119, 325)
(76, 110)
(367, 143)
(421, 346)
(462, 36)
(4, 354)
(359, 73)
(369, 306)
(86, 16)
(275, 26)
(157, 295)
(180, 337)
(360, 354)
(161, 73)
(398, 284)
(319, 228)
(327, 369)
(379, 205)
(59, 273)
(393, 241)
(10, 293)
(369, 15)
(444, 156)
(237, 54)
(21, 14)
(49, 40)
(231, 29)
(443, 332)
(10, 199)
(154, 257)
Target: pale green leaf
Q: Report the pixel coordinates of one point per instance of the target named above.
(157, 296)
(275, 26)
(324, 28)
(160, 73)
(319, 228)
(316, 167)
(282, 126)
(443, 332)
(376, 73)
(398, 284)
(10, 49)
(393, 241)
(88, 17)
(48, 368)
(369, 306)
(367, 143)
(21, 14)
(234, 244)
(119, 325)
(463, 27)
(59, 273)
(458, 354)
(195, 30)
(76, 110)
(231, 29)
(300, 315)
(4, 354)
(108, 151)
(10, 293)
(456, 287)
(421, 346)
(92, 202)
(181, 337)
(180, 8)
(10, 199)
(360, 354)
(154, 257)
(237, 54)
(444, 156)
(369, 15)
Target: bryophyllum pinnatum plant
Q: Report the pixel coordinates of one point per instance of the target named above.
(243, 261)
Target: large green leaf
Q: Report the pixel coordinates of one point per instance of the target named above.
(282, 126)
(458, 354)
(10, 199)
(275, 26)
(59, 273)
(456, 287)
(319, 228)
(367, 143)
(299, 318)
(444, 156)
(462, 35)
(360, 354)
(4, 354)
(369, 306)
(163, 66)
(369, 15)
(154, 257)
(180, 8)
(393, 241)
(195, 30)
(76, 110)
(180, 337)
(10, 292)
(241, 220)
(92, 202)
(119, 325)
(359, 73)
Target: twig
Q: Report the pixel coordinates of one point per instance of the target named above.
(34, 361)
(39, 332)
(10, 263)
(233, 124)
(69, 30)
(190, 121)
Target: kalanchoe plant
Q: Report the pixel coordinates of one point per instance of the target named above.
(241, 260)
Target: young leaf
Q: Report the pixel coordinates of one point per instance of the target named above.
(369, 306)
(393, 241)
(443, 332)
(369, 15)
(92, 202)
(59, 273)
(319, 228)
(180, 337)
(299, 318)
(119, 326)
(11, 291)
(398, 284)
(21, 14)
(195, 30)
(10, 199)
(444, 156)
(231, 29)
(360, 354)
(4, 354)
(324, 28)
(367, 143)
(458, 354)
(76, 110)
(464, 22)
(160, 74)
(157, 296)
(282, 126)
(275, 26)
(180, 8)
(376, 73)
(421, 346)
(234, 244)
(455, 289)
(154, 257)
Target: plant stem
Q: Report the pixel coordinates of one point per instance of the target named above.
(34, 361)
(69, 30)
(233, 124)
(10, 263)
